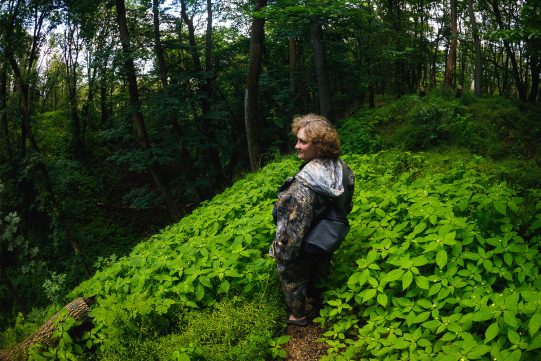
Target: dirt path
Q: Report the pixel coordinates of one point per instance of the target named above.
(303, 345)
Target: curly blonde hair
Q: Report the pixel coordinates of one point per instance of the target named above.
(320, 132)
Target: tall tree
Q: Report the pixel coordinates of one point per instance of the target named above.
(135, 104)
(316, 37)
(451, 55)
(70, 52)
(478, 71)
(158, 48)
(511, 56)
(251, 88)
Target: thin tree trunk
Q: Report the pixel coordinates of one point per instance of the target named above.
(160, 61)
(316, 36)
(534, 68)
(451, 56)
(292, 67)
(3, 109)
(478, 72)
(257, 40)
(208, 51)
(521, 87)
(135, 104)
(160, 58)
(205, 105)
(71, 54)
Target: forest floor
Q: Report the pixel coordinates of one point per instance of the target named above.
(304, 344)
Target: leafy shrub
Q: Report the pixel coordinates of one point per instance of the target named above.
(232, 329)
(361, 137)
(436, 267)
(218, 250)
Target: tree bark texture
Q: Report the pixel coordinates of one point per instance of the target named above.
(208, 52)
(519, 83)
(535, 69)
(205, 106)
(257, 40)
(451, 55)
(71, 55)
(160, 58)
(77, 309)
(135, 104)
(3, 111)
(324, 92)
(478, 71)
(292, 67)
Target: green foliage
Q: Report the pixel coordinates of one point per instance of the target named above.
(493, 127)
(217, 251)
(232, 329)
(54, 287)
(436, 266)
(361, 137)
(22, 328)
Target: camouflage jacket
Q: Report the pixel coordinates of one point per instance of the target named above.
(303, 198)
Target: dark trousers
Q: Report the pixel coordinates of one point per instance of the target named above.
(299, 279)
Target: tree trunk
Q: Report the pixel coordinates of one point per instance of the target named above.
(77, 309)
(160, 61)
(292, 68)
(521, 87)
(71, 54)
(534, 68)
(3, 110)
(135, 104)
(451, 56)
(160, 58)
(205, 106)
(208, 52)
(257, 40)
(478, 73)
(316, 36)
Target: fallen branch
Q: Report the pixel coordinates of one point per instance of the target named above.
(77, 309)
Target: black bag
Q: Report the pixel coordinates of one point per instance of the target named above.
(328, 231)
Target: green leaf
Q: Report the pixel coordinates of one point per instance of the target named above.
(510, 319)
(441, 258)
(432, 324)
(491, 332)
(422, 282)
(500, 207)
(435, 288)
(478, 351)
(422, 317)
(424, 303)
(535, 343)
(382, 299)
(394, 275)
(513, 336)
(369, 294)
(534, 323)
(407, 279)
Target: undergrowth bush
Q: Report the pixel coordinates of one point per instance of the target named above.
(437, 266)
(218, 251)
(233, 329)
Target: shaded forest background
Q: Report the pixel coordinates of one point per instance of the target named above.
(118, 118)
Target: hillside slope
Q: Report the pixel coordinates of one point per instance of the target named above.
(441, 261)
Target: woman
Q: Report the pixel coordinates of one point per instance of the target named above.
(323, 179)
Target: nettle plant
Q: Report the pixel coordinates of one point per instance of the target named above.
(436, 267)
(218, 250)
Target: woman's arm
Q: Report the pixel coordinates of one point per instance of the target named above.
(294, 214)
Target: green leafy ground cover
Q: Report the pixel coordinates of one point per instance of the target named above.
(441, 262)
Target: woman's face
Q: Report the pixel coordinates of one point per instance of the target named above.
(305, 149)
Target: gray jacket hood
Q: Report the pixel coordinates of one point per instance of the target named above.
(326, 176)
